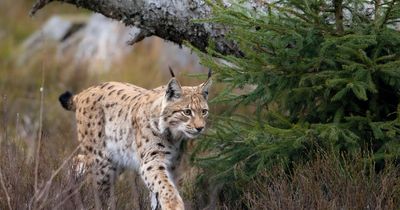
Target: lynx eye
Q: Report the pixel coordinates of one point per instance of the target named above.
(187, 112)
(204, 112)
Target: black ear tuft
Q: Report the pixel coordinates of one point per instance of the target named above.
(206, 86)
(171, 71)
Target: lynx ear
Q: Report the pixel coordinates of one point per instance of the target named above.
(174, 90)
(205, 86)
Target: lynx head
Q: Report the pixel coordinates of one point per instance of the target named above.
(185, 109)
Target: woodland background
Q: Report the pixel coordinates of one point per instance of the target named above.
(307, 117)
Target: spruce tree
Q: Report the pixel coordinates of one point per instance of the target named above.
(316, 75)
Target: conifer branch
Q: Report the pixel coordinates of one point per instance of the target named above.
(387, 13)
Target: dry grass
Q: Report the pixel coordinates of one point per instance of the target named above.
(328, 182)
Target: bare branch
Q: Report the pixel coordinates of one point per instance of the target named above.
(169, 20)
(40, 133)
(5, 190)
(38, 5)
(5, 137)
(339, 16)
(43, 192)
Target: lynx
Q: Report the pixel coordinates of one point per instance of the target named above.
(121, 126)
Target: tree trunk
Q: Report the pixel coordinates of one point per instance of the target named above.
(168, 19)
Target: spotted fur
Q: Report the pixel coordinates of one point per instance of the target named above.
(125, 126)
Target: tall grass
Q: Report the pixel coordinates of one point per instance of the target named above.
(328, 182)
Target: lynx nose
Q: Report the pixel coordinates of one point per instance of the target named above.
(199, 129)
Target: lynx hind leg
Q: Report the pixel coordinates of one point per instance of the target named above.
(80, 167)
(104, 177)
(102, 174)
(78, 172)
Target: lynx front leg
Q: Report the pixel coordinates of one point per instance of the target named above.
(158, 179)
(165, 193)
